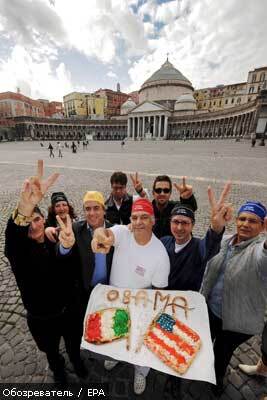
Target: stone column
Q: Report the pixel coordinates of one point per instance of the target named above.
(143, 127)
(160, 118)
(138, 128)
(133, 128)
(165, 126)
(129, 128)
(154, 127)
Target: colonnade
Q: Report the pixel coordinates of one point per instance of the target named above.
(149, 126)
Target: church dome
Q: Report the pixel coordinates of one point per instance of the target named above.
(165, 85)
(185, 102)
(167, 72)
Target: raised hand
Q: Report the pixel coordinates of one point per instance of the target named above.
(52, 233)
(137, 183)
(34, 189)
(221, 212)
(102, 241)
(66, 236)
(184, 190)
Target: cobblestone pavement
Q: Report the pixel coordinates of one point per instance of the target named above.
(205, 163)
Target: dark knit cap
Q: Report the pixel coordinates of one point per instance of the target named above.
(58, 196)
(179, 209)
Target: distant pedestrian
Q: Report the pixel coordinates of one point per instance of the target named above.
(59, 150)
(74, 147)
(41, 144)
(253, 139)
(122, 144)
(51, 148)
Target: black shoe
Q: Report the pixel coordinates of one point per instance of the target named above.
(56, 363)
(80, 369)
(60, 377)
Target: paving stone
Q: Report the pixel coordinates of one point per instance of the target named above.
(248, 394)
(233, 393)
(7, 357)
(18, 369)
(236, 380)
(6, 372)
(30, 369)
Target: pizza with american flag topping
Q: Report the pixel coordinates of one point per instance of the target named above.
(173, 342)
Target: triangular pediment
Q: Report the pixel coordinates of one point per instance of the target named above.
(148, 106)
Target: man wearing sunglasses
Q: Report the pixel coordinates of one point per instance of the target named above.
(162, 205)
(234, 286)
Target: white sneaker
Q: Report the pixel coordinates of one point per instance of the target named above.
(109, 365)
(259, 369)
(139, 383)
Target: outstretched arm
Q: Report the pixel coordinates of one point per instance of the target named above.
(33, 190)
(221, 211)
(186, 194)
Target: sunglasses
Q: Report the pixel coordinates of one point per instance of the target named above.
(161, 190)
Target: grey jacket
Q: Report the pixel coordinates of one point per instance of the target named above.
(244, 305)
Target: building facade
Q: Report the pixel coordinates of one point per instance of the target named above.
(114, 100)
(16, 104)
(168, 110)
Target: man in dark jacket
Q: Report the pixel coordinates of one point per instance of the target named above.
(48, 286)
(119, 203)
(94, 268)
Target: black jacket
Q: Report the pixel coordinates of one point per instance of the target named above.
(47, 284)
(121, 216)
(82, 250)
(162, 218)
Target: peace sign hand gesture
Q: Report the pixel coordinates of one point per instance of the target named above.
(66, 236)
(221, 212)
(34, 189)
(137, 183)
(185, 190)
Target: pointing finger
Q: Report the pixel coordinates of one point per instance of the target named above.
(183, 184)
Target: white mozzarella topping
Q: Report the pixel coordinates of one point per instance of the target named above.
(107, 324)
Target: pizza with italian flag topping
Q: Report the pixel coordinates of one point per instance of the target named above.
(173, 342)
(107, 325)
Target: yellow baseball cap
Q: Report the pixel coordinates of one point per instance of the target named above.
(94, 196)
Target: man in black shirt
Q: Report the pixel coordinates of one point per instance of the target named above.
(119, 203)
(49, 286)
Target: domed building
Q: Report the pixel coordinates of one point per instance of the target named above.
(167, 109)
(165, 86)
(186, 103)
(166, 93)
(127, 106)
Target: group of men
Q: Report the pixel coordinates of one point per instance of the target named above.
(129, 241)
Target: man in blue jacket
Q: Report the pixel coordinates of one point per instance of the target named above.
(188, 254)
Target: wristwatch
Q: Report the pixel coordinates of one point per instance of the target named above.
(20, 219)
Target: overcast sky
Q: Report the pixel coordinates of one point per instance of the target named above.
(49, 48)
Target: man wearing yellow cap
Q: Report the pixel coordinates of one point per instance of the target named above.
(95, 268)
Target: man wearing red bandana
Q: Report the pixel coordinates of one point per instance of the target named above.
(140, 261)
